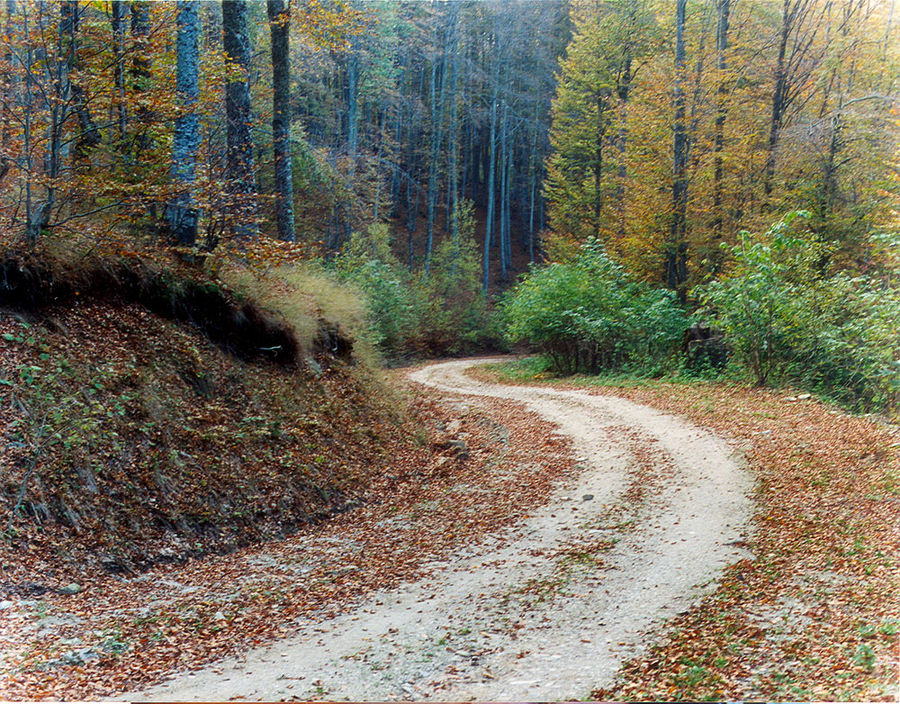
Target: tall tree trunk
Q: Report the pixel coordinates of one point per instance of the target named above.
(598, 164)
(57, 98)
(676, 250)
(454, 147)
(182, 211)
(623, 89)
(722, 12)
(505, 161)
(279, 12)
(437, 134)
(489, 223)
(778, 98)
(10, 90)
(240, 172)
(88, 135)
(412, 214)
(353, 105)
(32, 228)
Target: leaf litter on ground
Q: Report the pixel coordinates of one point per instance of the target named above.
(814, 615)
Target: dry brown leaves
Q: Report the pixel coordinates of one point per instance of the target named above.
(814, 615)
(123, 633)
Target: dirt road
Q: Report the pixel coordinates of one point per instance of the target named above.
(545, 611)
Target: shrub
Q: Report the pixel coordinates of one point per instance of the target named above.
(305, 296)
(441, 312)
(588, 314)
(367, 263)
(456, 316)
(787, 319)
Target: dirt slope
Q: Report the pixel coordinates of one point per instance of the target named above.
(545, 610)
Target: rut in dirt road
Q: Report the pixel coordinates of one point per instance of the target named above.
(547, 610)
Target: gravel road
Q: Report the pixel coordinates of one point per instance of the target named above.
(547, 610)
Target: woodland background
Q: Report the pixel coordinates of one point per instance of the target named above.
(426, 153)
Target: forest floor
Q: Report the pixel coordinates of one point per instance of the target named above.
(560, 536)
(545, 609)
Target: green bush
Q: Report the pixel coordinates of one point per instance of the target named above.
(367, 263)
(788, 320)
(456, 315)
(443, 311)
(588, 315)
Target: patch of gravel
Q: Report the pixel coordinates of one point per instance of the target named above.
(546, 610)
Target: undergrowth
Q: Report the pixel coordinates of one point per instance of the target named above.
(153, 409)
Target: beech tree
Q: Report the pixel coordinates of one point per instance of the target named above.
(240, 175)
(279, 13)
(182, 213)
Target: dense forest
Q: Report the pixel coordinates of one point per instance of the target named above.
(426, 153)
(233, 233)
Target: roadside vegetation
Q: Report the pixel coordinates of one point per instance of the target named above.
(195, 315)
(784, 313)
(153, 411)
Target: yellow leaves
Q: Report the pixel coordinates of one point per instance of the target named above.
(328, 26)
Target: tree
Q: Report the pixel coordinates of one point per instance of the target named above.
(585, 185)
(279, 12)
(240, 176)
(799, 55)
(676, 248)
(182, 213)
(723, 9)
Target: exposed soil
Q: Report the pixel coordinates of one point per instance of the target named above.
(546, 608)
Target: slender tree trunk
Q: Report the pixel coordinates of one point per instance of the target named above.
(779, 95)
(437, 134)
(56, 100)
(10, 89)
(353, 105)
(598, 164)
(490, 190)
(505, 162)
(279, 13)
(412, 212)
(533, 173)
(89, 134)
(382, 119)
(623, 89)
(182, 211)
(454, 147)
(240, 172)
(141, 74)
(722, 11)
(676, 251)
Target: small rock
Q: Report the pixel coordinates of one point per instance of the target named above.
(453, 426)
(72, 588)
(803, 397)
(791, 399)
(218, 616)
(462, 450)
(587, 497)
(79, 657)
(4, 605)
(314, 366)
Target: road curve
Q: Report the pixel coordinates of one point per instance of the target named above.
(517, 618)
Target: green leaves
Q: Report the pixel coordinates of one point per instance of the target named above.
(786, 318)
(589, 314)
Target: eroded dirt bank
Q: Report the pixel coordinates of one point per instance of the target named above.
(546, 610)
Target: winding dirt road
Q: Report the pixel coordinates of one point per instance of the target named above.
(549, 609)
